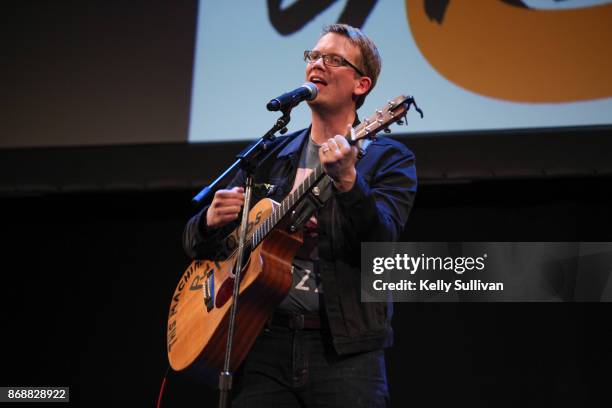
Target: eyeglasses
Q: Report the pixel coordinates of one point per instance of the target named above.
(331, 60)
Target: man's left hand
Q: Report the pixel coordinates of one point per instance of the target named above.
(338, 159)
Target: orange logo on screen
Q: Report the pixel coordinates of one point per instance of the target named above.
(504, 50)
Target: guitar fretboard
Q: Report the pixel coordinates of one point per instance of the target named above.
(287, 205)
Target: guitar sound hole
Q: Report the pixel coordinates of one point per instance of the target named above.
(225, 292)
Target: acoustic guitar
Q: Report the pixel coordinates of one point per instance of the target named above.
(199, 309)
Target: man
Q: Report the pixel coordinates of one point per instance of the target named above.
(323, 346)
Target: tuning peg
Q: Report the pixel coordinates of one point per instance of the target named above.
(399, 122)
(387, 130)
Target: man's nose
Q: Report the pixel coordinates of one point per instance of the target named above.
(318, 64)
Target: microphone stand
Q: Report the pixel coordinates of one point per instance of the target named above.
(247, 161)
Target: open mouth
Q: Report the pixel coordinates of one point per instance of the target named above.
(318, 81)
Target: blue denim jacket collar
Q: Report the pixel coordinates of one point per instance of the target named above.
(295, 145)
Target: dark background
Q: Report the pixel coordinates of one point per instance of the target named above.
(91, 232)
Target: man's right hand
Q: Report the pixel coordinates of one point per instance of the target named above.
(225, 207)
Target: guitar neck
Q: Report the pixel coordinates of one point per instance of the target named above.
(290, 201)
(287, 205)
(387, 114)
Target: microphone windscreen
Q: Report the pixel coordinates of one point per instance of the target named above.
(314, 91)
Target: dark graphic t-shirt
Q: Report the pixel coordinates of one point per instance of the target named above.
(307, 286)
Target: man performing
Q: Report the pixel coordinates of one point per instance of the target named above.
(323, 346)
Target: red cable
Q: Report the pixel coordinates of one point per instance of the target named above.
(161, 388)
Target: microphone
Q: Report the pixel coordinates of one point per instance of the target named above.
(307, 92)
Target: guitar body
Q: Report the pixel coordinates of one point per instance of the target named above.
(199, 311)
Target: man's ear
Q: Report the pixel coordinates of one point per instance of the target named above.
(363, 86)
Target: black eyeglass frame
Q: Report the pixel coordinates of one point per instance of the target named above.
(326, 60)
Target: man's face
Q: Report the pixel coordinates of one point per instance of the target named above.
(336, 84)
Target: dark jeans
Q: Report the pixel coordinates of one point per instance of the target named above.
(298, 368)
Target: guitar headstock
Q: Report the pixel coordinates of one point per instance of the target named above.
(393, 111)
